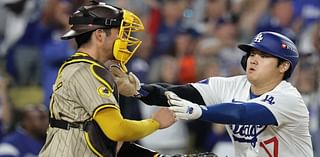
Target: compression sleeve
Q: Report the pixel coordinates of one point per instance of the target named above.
(188, 92)
(239, 113)
(117, 128)
(153, 94)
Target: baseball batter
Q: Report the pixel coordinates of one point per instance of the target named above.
(85, 118)
(264, 114)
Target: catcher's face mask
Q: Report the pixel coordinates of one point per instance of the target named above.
(101, 15)
(126, 45)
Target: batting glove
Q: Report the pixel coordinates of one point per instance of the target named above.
(183, 109)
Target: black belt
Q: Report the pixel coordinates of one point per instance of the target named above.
(62, 124)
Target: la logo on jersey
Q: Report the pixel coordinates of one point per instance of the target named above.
(258, 38)
(246, 133)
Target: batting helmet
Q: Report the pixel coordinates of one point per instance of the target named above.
(275, 44)
(100, 15)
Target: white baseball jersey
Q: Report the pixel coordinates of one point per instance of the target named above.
(291, 138)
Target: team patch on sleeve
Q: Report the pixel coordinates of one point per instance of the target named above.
(104, 91)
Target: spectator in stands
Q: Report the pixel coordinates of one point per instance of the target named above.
(170, 22)
(280, 19)
(308, 85)
(29, 136)
(54, 51)
(5, 108)
(308, 11)
(223, 45)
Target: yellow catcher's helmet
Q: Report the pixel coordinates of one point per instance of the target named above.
(104, 16)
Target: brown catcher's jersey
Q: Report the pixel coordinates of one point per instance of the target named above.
(77, 93)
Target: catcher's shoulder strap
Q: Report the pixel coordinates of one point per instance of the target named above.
(98, 70)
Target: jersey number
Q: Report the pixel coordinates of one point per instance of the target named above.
(275, 142)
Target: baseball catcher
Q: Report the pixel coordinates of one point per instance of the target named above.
(85, 117)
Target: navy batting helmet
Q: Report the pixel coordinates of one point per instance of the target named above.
(275, 44)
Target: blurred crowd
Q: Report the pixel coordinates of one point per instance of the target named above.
(184, 41)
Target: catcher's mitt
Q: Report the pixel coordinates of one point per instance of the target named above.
(128, 83)
(206, 154)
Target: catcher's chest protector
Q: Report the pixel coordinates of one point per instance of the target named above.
(96, 140)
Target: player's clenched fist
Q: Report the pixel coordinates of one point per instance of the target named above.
(183, 109)
(164, 116)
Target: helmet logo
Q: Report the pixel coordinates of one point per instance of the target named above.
(288, 46)
(108, 22)
(258, 38)
(283, 45)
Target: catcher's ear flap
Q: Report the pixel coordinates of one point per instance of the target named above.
(244, 61)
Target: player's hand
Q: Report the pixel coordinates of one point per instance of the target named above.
(128, 83)
(183, 109)
(164, 116)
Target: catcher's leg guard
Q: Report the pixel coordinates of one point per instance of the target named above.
(132, 149)
(206, 154)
